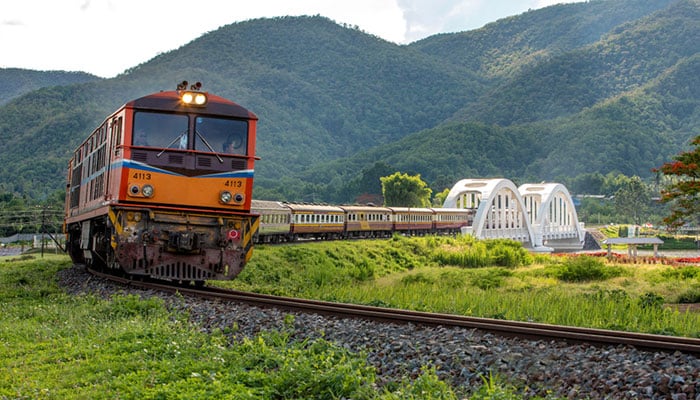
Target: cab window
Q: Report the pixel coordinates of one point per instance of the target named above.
(160, 130)
(221, 135)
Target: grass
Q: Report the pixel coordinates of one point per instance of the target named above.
(54, 345)
(431, 274)
(59, 346)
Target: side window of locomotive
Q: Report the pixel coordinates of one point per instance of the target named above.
(221, 135)
(160, 130)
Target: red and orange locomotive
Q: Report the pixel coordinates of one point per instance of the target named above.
(162, 188)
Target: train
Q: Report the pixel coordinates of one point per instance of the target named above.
(289, 222)
(162, 188)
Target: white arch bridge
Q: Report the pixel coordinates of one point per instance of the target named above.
(541, 216)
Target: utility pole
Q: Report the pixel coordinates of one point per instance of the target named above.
(43, 228)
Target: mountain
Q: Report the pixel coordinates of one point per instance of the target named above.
(15, 82)
(627, 57)
(502, 48)
(598, 86)
(609, 106)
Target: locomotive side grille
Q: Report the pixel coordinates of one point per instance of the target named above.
(204, 162)
(175, 159)
(237, 164)
(139, 156)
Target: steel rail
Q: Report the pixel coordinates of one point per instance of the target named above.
(520, 329)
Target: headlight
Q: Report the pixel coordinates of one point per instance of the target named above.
(225, 197)
(194, 98)
(147, 190)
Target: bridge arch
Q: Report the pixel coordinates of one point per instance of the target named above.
(552, 215)
(500, 210)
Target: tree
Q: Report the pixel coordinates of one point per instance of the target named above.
(402, 190)
(683, 192)
(632, 200)
(439, 198)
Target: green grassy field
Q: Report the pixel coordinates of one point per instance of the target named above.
(60, 346)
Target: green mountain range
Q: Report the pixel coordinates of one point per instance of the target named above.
(596, 87)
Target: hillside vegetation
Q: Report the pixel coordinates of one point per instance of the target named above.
(15, 82)
(596, 87)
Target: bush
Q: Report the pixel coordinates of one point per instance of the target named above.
(623, 231)
(508, 253)
(691, 295)
(491, 278)
(469, 253)
(474, 256)
(583, 269)
(681, 273)
(650, 300)
(417, 278)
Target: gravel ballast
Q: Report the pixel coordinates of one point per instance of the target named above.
(461, 357)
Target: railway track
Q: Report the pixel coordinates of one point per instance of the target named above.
(528, 330)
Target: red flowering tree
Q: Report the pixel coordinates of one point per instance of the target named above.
(684, 192)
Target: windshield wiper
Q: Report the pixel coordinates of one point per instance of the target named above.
(178, 137)
(221, 160)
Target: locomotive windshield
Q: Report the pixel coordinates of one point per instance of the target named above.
(221, 135)
(211, 134)
(160, 130)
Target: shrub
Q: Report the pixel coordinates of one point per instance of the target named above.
(491, 278)
(650, 300)
(623, 231)
(583, 269)
(475, 256)
(417, 279)
(469, 253)
(363, 271)
(691, 295)
(508, 253)
(681, 273)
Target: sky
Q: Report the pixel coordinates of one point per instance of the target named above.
(107, 37)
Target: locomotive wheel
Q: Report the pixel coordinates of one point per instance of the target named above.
(73, 245)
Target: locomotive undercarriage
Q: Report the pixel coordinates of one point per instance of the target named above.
(174, 246)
